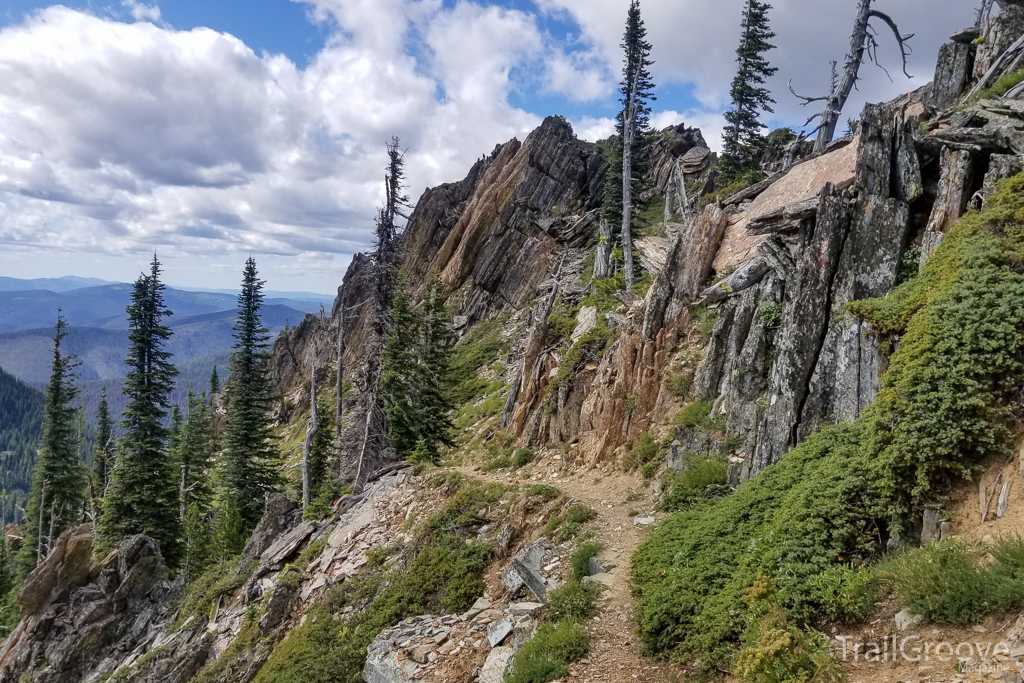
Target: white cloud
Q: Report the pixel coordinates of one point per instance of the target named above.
(141, 12)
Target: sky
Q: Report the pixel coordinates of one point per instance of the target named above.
(209, 130)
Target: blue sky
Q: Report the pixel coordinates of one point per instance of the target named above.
(211, 130)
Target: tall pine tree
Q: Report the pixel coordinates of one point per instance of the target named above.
(195, 456)
(143, 493)
(398, 382)
(59, 481)
(251, 458)
(104, 447)
(742, 140)
(435, 403)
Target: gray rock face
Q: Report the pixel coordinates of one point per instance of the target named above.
(952, 72)
(80, 620)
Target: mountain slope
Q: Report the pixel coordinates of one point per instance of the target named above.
(21, 426)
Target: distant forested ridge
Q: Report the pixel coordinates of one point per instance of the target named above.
(21, 425)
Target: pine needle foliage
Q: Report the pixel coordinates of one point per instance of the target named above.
(58, 483)
(251, 458)
(143, 493)
(743, 140)
(415, 383)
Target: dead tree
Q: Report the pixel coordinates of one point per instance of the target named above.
(385, 270)
(984, 19)
(312, 427)
(862, 42)
(628, 137)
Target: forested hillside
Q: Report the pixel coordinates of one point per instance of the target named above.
(21, 423)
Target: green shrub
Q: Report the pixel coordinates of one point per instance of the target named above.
(522, 458)
(697, 414)
(574, 601)
(543, 491)
(684, 488)
(680, 383)
(580, 560)
(704, 320)
(778, 652)
(649, 470)
(548, 656)
(645, 450)
(580, 514)
(847, 594)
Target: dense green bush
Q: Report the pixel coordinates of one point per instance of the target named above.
(522, 458)
(580, 560)
(645, 450)
(835, 499)
(683, 489)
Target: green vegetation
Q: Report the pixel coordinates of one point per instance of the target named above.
(580, 560)
(704, 320)
(999, 88)
(835, 499)
(201, 595)
(697, 414)
(251, 458)
(574, 601)
(588, 347)
(439, 572)
(21, 425)
(480, 346)
(567, 526)
(522, 458)
(950, 581)
(704, 477)
(542, 491)
(548, 656)
(58, 483)
(645, 451)
(415, 376)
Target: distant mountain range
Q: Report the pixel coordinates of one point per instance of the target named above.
(202, 324)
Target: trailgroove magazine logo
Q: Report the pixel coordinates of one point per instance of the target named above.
(974, 657)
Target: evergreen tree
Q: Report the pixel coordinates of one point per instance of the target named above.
(195, 456)
(743, 141)
(197, 542)
(143, 494)
(104, 446)
(398, 383)
(58, 483)
(214, 383)
(415, 374)
(9, 612)
(435, 403)
(251, 459)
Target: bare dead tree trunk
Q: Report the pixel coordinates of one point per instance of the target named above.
(670, 196)
(628, 135)
(311, 429)
(603, 260)
(984, 17)
(862, 42)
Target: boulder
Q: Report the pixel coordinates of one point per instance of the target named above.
(496, 665)
(586, 320)
(906, 619)
(498, 631)
(66, 567)
(525, 570)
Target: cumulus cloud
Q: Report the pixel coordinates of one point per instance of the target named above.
(124, 137)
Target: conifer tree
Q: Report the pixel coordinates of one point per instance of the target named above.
(104, 446)
(58, 482)
(399, 375)
(195, 456)
(143, 493)
(435, 368)
(250, 459)
(743, 141)
(630, 153)
(214, 383)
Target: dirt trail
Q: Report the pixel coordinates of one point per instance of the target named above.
(613, 656)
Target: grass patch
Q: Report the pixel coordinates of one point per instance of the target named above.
(645, 452)
(1000, 87)
(697, 415)
(548, 656)
(543, 491)
(480, 346)
(522, 458)
(201, 595)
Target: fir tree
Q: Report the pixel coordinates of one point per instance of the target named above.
(214, 383)
(743, 141)
(104, 446)
(9, 612)
(195, 456)
(435, 403)
(143, 495)
(398, 384)
(251, 459)
(58, 483)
